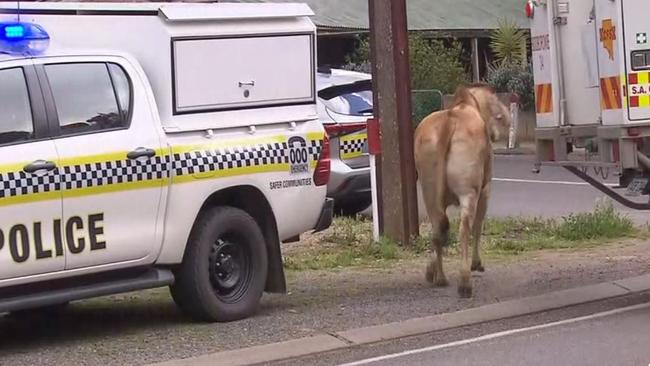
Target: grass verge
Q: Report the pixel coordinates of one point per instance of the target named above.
(349, 241)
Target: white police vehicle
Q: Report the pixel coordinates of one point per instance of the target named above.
(345, 105)
(169, 157)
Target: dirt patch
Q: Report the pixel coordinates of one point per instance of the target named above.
(145, 327)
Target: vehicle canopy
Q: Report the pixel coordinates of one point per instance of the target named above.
(210, 66)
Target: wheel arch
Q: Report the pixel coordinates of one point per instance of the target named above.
(255, 203)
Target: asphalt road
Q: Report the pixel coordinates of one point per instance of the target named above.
(551, 193)
(613, 332)
(613, 339)
(554, 192)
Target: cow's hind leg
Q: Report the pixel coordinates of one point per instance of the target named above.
(468, 203)
(440, 234)
(481, 209)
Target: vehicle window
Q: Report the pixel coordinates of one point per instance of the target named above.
(122, 89)
(16, 123)
(351, 104)
(85, 97)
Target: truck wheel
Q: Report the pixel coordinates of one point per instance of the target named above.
(224, 269)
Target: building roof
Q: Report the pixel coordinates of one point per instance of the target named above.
(439, 16)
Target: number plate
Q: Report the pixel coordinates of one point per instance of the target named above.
(636, 186)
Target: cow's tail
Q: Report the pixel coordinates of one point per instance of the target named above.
(440, 169)
(441, 174)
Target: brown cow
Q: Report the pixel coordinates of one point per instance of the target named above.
(453, 158)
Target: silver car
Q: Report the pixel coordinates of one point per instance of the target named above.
(344, 107)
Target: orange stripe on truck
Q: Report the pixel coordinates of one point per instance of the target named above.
(610, 93)
(543, 98)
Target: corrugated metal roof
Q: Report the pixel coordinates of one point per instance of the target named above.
(423, 15)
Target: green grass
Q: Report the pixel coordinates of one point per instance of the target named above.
(349, 241)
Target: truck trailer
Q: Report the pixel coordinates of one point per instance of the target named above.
(591, 66)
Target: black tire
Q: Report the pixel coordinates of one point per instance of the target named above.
(223, 273)
(352, 208)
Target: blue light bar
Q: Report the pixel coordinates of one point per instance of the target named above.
(14, 31)
(23, 38)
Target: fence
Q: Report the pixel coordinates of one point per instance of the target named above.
(425, 102)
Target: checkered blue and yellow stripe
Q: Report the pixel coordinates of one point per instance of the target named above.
(352, 145)
(105, 173)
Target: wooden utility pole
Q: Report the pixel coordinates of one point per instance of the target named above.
(392, 92)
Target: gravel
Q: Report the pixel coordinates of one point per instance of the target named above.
(145, 327)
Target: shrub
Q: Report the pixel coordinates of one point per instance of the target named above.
(603, 222)
(433, 65)
(508, 43)
(512, 78)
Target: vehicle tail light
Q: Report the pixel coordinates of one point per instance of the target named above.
(339, 129)
(322, 171)
(530, 9)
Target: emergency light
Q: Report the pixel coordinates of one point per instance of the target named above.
(23, 38)
(530, 9)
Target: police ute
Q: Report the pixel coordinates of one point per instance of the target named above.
(156, 144)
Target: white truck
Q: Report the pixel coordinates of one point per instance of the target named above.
(591, 62)
(156, 144)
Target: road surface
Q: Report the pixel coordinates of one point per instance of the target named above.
(612, 336)
(613, 339)
(554, 192)
(551, 193)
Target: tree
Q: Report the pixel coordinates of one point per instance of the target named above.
(508, 43)
(433, 64)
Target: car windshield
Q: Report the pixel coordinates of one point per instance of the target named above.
(352, 104)
(352, 100)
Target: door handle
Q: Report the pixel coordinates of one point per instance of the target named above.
(141, 152)
(39, 165)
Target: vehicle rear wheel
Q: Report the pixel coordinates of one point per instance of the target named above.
(352, 208)
(223, 273)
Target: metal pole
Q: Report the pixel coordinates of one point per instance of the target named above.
(392, 86)
(375, 195)
(375, 162)
(476, 71)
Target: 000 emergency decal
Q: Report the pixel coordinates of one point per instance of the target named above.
(25, 241)
(114, 172)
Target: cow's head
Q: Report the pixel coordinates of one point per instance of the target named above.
(495, 114)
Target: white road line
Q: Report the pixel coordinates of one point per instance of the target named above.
(496, 335)
(547, 182)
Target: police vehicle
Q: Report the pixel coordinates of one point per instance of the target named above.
(150, 145)
(345, 105)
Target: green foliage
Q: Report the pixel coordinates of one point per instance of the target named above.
(511, 78)
(433, 64)
(603, 222)
(510, 73)
(425, 102)
(508, 43)
(349, 241)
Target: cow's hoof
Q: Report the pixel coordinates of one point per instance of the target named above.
(435, 279)
(478, 267)
(441, 282)
(465, 291)
(429, 275)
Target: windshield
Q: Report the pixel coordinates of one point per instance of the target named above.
(352, 104)
(351, 99)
